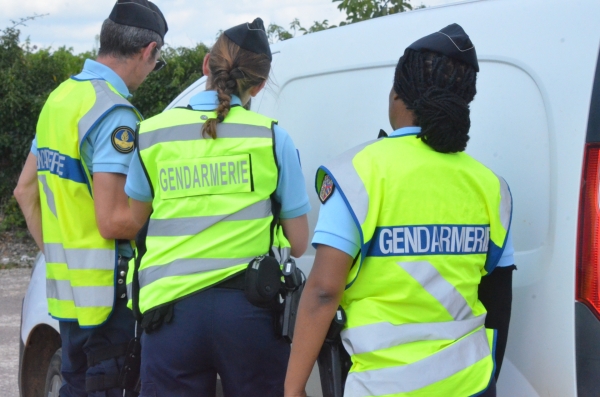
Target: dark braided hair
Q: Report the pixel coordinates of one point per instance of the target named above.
(438, 89)
(233, 70)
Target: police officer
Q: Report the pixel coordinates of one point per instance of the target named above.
(79, 214)
(423, 222)
(224, 187)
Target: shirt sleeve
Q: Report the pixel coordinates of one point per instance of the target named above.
(507, 258)
(137, 186)
(336, 227)
(34, 146)
(100, 148)
(291, 190)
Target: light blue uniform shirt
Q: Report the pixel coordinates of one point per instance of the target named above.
(97, 151)
(336, 227)
(290, 192)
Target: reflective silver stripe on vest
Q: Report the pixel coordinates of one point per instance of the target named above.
(505, 203)
(192, 132)
(434, 283)
(80, 259)
(194, 225)
(406, 378)
(48, 193)
(105, 99)
(82, 296)
(59, 289)
(372, 337)
(350, 182)
(187, 266)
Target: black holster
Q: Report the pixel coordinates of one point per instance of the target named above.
(97, 383)
(129, 378)
(291, 292)
(334, 362)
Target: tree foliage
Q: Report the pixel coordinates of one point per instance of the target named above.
(361, 10)
(184, 66)
(28, 75)
(278, 33)
(355, 10)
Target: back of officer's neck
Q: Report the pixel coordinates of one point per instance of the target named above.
(126, 68)
(402, 119)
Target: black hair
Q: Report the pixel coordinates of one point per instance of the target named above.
(438, 90)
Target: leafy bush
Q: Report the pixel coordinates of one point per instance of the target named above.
(28, 76)
(11, 218)
(184, 66)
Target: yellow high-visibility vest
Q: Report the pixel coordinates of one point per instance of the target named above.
(212, 208)
(431, 225)
(80, 263)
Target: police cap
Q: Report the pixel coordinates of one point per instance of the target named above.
(140, 14)
(251, 37)
(451, 41)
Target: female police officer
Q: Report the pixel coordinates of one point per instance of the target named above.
(428, 221)
(223, 186)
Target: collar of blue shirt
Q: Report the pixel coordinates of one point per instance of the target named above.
(412, 130)
(209, 100)
(95, 70)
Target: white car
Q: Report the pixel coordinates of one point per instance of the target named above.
(535, 121)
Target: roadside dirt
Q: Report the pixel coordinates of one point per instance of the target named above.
(13, 285)
(17, 249)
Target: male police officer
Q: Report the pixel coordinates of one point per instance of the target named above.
(71, 193)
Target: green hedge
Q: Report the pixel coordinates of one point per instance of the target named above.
(28, 75)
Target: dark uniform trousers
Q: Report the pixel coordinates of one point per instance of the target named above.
(216, 331)
(78, 343)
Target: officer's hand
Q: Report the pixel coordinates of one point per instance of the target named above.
(154, 319)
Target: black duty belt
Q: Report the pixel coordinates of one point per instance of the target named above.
(237, 281)
(122, 266)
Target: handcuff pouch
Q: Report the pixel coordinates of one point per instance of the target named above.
(263, 281)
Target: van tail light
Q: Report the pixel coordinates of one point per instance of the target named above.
(588, 239)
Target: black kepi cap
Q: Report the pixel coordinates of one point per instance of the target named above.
(251, 37)
(451, 41)
(140, 14)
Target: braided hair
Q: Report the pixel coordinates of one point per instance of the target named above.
(438, 90)
(233, 70)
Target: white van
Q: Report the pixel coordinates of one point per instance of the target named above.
(535, 121)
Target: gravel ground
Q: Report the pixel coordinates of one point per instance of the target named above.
(13, 285)
(17, 249)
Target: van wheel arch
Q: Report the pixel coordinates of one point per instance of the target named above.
(41, 345)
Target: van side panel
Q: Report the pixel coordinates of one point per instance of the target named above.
(593, 131)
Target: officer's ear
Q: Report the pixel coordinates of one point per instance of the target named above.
(148, 53)
(253, 91)
(205, 68)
